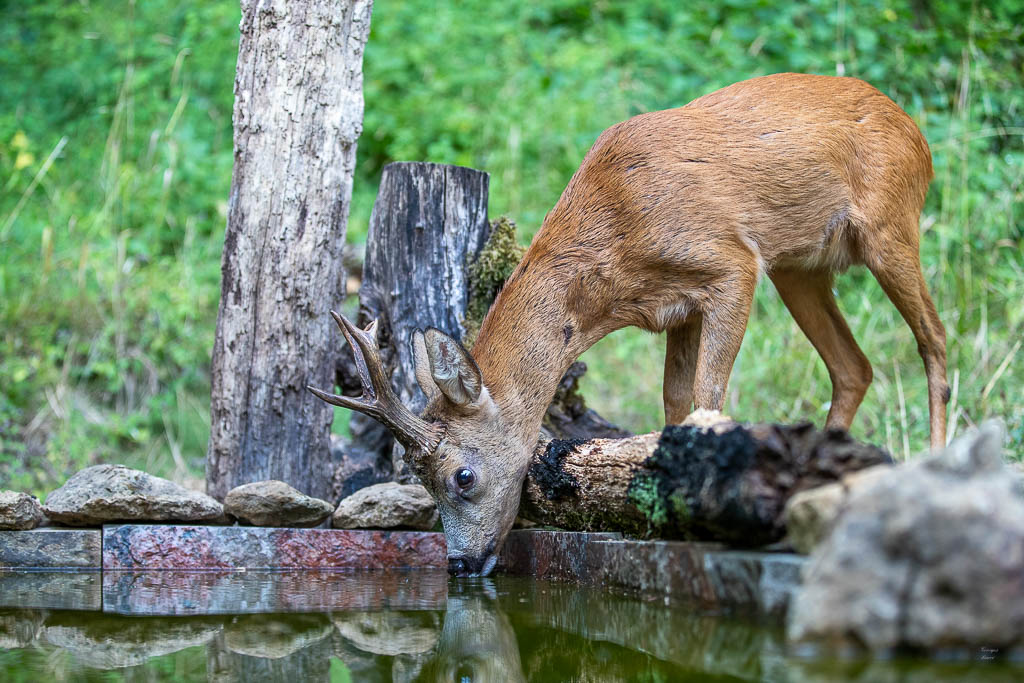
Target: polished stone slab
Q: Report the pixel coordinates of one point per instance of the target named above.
(142, 547)
(177, 593)
(704, 574)
(63, 590)
(51, 548)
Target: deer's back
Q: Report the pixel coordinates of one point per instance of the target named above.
(793, 167)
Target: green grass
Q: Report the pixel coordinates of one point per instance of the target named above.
(115, 163)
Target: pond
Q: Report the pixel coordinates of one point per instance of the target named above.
(394, 626)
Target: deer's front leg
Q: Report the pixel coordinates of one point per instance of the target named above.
(681, 350)
(725, 321)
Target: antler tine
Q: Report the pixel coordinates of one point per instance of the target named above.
(357, 353)
(378, 400)
(366, 344)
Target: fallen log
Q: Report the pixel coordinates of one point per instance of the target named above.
(728, 482)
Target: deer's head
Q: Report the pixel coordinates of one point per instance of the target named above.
(461, 448)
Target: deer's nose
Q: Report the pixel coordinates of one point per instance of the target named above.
(457, 566)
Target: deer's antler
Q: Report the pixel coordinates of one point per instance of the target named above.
(378, 399)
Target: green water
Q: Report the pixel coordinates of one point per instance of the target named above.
(411, 626)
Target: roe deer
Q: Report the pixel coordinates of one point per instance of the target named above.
(667, 225)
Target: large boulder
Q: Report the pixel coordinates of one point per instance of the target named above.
(929, 557)
(19, 511)
(108, 493)
(387, 506)
(275, 503)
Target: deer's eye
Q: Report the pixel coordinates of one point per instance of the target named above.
(465, 478)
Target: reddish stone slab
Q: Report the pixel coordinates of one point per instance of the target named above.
(180, 593)
(139, 547)
(50, 548)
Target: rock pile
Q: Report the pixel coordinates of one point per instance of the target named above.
(929, 557)
(106, 494)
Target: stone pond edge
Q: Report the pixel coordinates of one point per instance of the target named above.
(705, 575)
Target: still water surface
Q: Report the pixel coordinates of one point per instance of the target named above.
(393, 626)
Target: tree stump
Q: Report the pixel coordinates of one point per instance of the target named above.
(298, 113)
(428, 225)
(726, 483)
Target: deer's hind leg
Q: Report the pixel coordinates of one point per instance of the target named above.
(681, 350)
(896, 265)
(809, 298)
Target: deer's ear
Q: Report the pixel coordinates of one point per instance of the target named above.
(422, 363)
(451, 368)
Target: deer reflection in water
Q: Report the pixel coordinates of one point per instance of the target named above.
(478, 642)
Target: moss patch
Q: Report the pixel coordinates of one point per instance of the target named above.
(488, 273)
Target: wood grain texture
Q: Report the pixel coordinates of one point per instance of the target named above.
(298, 113)
(429, 223)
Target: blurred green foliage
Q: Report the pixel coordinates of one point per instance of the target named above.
(115, 164)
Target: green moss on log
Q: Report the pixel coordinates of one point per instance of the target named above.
(691, 486)
(644, 494)
(488, 273)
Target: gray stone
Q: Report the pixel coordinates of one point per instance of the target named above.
(111, 642)
(51, 548)
(275, 503)
(107, 493)
(698, 574)
(811, 514)
(273, 636)
(929, 557)
(389, 633)
(387, 506)
(19, 511)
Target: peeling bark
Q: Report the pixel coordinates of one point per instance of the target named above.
(298, 113)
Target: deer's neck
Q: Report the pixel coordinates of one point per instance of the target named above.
(534, 331)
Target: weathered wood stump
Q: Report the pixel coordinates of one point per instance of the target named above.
(727, 483)
(429, 223)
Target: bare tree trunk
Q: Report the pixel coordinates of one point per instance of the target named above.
(726, 483)
(298, 113)
(428, 224)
